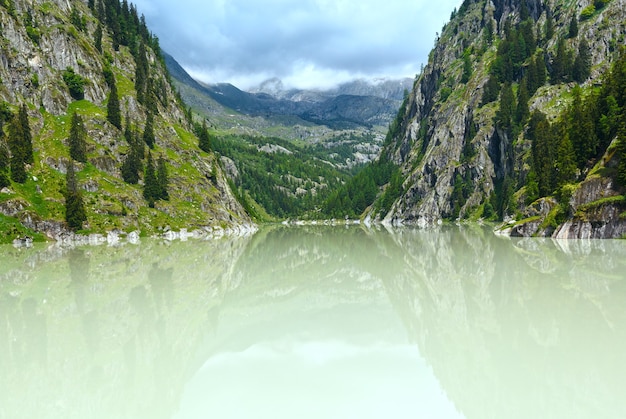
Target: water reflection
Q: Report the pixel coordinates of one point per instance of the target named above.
(106, 332)
(316, 322)
(518, 328)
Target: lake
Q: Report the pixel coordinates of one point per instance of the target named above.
(316, 322)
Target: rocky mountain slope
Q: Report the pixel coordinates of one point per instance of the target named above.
(354, 105)
(100, 42)
(462, 155)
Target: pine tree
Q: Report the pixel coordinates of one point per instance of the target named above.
(160, 90)
(581, 129)
(204, 140)
(130, 169)
(148, 132)
(162, 179)
(100, 12)
(504, 115)
(532, 188)
(132, 166)
(18, 151)
(488, 32)
(71, 183)
(524, 12)
(520, 49)
(125, 24)
(535, 74)
(582, 64)
(151, 185)
(573, 27)
(113, 22)
(5, 115)
(4, 161)
(521, 111)
(107, 73)
(562, 63)
(150, 100)
(542, 72)
(97, 36)
(128, 132)
(77, 140)
(114, 115)
(565, 162)
(621, 150)
(491, 90)
(141, 73)
(540, 134)
(27, 136)
(527, 32)
(75, 214)
(609, 120)
(532, 83)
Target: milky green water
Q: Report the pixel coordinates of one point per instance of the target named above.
(316, 322)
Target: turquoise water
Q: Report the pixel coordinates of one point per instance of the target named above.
(316, 322)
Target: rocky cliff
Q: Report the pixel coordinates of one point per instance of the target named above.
(42, 40)
(456, 158)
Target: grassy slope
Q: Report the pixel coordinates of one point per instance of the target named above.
(111, 203)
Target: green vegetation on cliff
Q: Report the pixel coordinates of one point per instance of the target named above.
(519, 101)
(287, 180)
(65, 163)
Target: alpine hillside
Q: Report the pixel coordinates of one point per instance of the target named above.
(520, 115)
(285, 150)
(94, 139)
(349, 120)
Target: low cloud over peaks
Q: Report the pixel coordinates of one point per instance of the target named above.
(306, 43)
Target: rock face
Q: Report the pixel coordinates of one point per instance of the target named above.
(448, 143)
(595, 215)
(39, 43)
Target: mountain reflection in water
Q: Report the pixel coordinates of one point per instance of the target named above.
(311, 322)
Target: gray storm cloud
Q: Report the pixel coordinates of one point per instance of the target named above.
(307, 43)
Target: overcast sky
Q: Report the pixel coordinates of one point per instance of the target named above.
(305, 43)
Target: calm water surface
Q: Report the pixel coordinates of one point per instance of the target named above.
(316, 322)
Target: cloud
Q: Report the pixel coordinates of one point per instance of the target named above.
(307, 43)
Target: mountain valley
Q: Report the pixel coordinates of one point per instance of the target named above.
(517, 119)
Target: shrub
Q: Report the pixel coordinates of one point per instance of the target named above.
(599, 4)
(587, 12)
(445, 93)
(75, 82)
(34, 34)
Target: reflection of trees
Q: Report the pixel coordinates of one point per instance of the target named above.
(507, 325)
(517, 328)
(512, 328)
(107, 332)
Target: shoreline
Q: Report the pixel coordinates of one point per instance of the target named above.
(118, 237)
(508, 228)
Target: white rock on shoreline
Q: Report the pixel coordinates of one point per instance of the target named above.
(118, 238)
